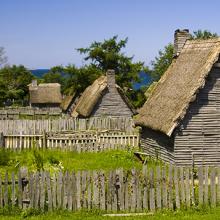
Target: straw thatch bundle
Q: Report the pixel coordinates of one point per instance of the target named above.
(170, 99)
(67, 100)
(90, 97)
(45, 93)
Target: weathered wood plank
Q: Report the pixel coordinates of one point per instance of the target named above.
(200, 177)
(59, 189)
(176, 184)
(49, 193)
(145, 188)
(170, 188)
(187, 181)
(6, 190)
(206, 186)
(164, 188)
(158, 188)
(213, 187)
(152, 190)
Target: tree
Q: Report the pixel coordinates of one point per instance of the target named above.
(78, 79)
(162, 62)
(54, 75)
(13, 83)
(3, 58)
(165, 56)
(199, 34)
(108, 55)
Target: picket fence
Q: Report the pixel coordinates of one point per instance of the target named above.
(78, 141)
(9, 127)
(118, 190)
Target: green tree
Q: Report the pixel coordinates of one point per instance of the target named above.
(13, 83)
(109, 55)
(165, 56)
(200, 34)
(77, 79)
(54, 75)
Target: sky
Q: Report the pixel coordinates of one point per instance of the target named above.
(46, 33)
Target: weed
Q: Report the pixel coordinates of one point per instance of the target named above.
(38, 160)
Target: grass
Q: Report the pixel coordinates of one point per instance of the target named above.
(193, 214)
(54, 160)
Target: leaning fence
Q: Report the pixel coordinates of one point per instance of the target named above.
(9, 127)
(118, 190)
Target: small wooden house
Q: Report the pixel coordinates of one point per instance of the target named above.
(181, 118)
(45, 95)
(103, 98)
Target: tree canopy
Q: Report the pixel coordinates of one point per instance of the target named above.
(13, 83)
(108, 55)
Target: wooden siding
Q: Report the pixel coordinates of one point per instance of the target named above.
(112, 104)
(198, 137)
(157, 145)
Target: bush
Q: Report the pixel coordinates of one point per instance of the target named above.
(4, 157)
(53, 160)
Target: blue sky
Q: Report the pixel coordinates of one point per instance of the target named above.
(45, 33)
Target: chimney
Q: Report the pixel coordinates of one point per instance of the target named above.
(110, 78)
(180, 38)
(34, 83)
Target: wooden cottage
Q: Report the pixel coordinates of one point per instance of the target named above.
(45, 95)
(181, 118)
(103, 98)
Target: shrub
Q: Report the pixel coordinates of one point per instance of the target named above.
(4, 157)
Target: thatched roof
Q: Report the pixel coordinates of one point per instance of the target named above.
(90, 97)
(93, 94)
(45, 93)
(66, 101)
(170, 99)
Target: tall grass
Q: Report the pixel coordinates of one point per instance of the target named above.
(54, 160)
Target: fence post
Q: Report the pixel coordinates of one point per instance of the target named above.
(2, 143)
(200, 177)
(44, 139)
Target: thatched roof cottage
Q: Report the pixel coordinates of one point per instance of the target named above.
(45, 94)
(181, 118)
(103, 98)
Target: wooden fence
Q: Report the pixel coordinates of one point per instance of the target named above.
(66, 124)
(29, 113)
(132, 191)
(79, 142)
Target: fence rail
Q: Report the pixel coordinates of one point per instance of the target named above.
(118, 190)
(9, 127)
(29, 112)
(79, 142)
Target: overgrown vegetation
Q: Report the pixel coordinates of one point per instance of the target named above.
(55, 160)
(202, 213)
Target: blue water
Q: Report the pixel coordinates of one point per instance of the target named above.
(145, 80)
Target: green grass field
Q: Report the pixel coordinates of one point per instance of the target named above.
(201, 214)
(55, 160)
